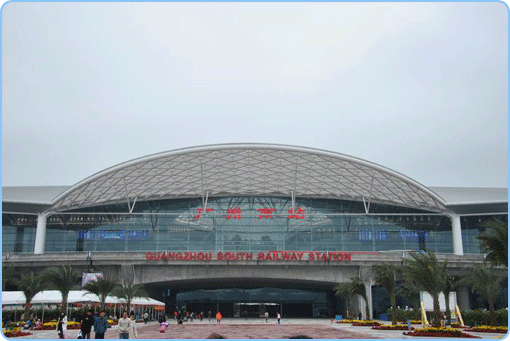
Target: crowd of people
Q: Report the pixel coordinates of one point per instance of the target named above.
(181, 317)
(126, 325)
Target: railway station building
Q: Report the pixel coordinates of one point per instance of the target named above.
(248, 228)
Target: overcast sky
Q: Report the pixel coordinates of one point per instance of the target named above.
(420, 88)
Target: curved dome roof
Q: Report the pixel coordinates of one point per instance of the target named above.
(248, 170)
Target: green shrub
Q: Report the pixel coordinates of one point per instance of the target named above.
(480, 317)
(404, 314)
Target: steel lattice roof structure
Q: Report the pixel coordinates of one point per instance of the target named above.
(248, 170)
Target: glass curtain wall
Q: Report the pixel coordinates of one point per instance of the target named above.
(239, 224)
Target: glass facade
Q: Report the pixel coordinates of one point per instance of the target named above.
(473, 226)
(18, 233)
(241, 224)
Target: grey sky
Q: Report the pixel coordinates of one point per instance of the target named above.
(420, 88)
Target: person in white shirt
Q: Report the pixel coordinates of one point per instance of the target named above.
(62, 325)
(124, 326)
(132, 331)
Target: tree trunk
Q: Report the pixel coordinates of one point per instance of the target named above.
(27, 310)
(492, 314)
(447, 306)
(417, 309)
(437, 312)
(64, 303)
(350, 309)
(393, 301)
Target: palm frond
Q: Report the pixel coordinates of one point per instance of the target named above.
(102, 287)
(30, 284)
(494, 243)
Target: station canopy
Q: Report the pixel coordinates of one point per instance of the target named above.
(248, 170)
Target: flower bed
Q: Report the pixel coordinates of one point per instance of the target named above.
(440, 332)
(53, 325)
(392, 327)
(413, 322)
(9, 333)
(489, 329)
(348, 321)
(368, 323)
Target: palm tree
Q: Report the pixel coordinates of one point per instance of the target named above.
(343, 290)
(101, 287)
(412, 291)
(425, 270)
(449, 286)
(485, 281)
(495, 242)
(30, 284)
(354, 287)
(62, 278)
(129, 291)
(386, 276)
(7, 275)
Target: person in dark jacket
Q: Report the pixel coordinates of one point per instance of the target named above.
(100, 325)
(86, 324)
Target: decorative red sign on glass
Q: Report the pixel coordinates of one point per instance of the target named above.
(296, 214)
(200, 210)
(234, 213)
(266, 212)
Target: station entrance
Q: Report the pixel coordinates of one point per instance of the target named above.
(253, 302)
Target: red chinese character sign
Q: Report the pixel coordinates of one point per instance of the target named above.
(296, 214)
(234, 213)
(200, 210)
(266, 212)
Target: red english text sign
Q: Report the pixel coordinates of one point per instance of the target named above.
(334, 256)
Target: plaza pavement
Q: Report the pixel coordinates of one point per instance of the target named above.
(252, 328)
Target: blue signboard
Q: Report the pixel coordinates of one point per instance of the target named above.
(112, 234)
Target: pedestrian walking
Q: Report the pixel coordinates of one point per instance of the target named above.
(266, 315)
(86, 324)
(100, 325)
(132, 330)
(62, 325)
(278, 316)
(218, 317)
(145, 317)
(209, 315)
(124, 326)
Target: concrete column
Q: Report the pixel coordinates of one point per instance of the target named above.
(463, 298)
(457, 235)
(369, 297)
(40, 234)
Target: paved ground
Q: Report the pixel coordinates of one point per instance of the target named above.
(251, 329)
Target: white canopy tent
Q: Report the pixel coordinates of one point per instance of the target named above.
(16, 299)
(75, 296)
